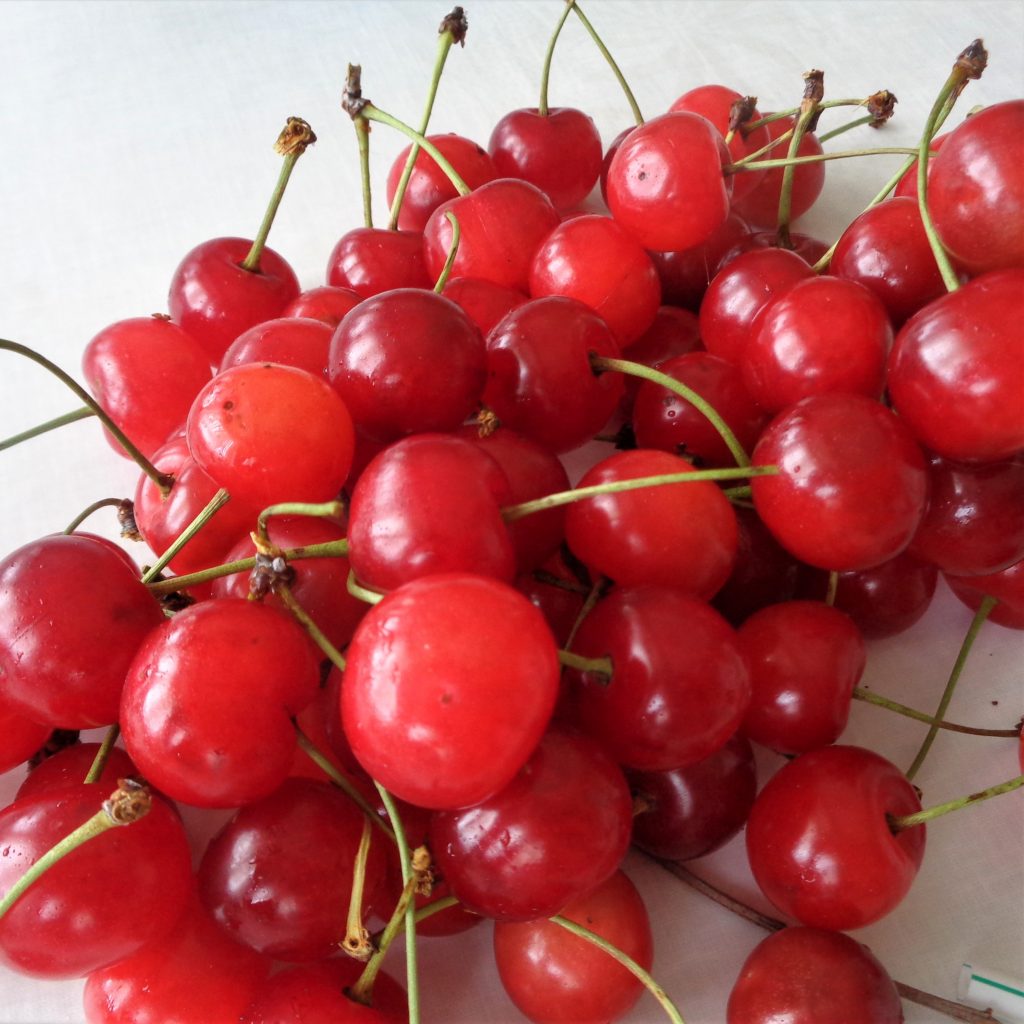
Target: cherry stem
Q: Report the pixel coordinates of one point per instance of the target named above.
(308, 747)
(361, 990)
(220, 499)
(317, 510)
(956, 1011)
(357, 939)
(627, 961)
(94, 507)
(542, 107)
(45, 428)
(818, 158)
(127, 804)
(638, 118)
(737, 494)
(295, 138)
(833, 588)
(99, 762)
(592, 598)
(408, 880)
(809, 111)
(849, 126)
(778, 115)
(969, 64)
(423, 912)
(361, 593)
(162, 480)
(453, 251)
(453, 30)
(632, 369)
(983, 612)
(288, 599)
(929, 813)
(513, 512)
(598, 666)
(901, 709)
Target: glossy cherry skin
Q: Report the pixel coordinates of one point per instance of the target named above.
(692, 811)
(813, 976)
(272, 433)
(821, 335)
(429, 503)
(559, 152)
(679, 685)
(907, 187)
(592, 259)
(278, 876)
(665, 183)
(556, 831)
(819, 841)
(71, 765)
(78, 916)
(484, 302)
(954, 370)
(886, 250)
(425, 701)
(669, 422)
(502, 224)
(740, 291)
(976, 190)
(373, 260)
(196, 972)
(22, 736)
(72, 616)
(326, 303)
(805, 659)
(429, 186)
(973, 524)
(291, 341)
(540, 381)
(207, 702)
(213, 299)
(852, 484)
(554, 977)
(145, 372)
(674, 332)
(680, 535)
(407, 361)
(1006, 586)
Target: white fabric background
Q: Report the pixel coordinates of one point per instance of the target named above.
(131, 131)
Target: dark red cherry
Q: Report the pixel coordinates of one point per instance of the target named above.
(674, 332)
(372, 260)
(484, 302)
(1006, 586)
(807, 247)
(290, 341)
(326, 303)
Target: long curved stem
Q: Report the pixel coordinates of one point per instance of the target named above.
(220, 499)
(929, 813)
(542, 106)
(807, 116)
(619, 76)
(94, 507)
(45, 428)
(919, 716)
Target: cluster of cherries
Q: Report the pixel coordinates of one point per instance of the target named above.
(504, 681)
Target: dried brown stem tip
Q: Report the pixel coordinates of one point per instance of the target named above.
(269, 573)
(457, 24)
(973, 60)
(352, 101)
(741, 111)
(126, 519)
(129, 802)
(295, 137)
(881, 106)
(814, 87)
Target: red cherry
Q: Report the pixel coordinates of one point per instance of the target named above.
(290, 341)
(326, 303)
(559, 152)
(483, 302)
(425, 701)
(808, 248)
(907, 187)
(1006, 586)
(22, 736)
(213, 299)
(373, 260)
(69, 766)
(665, 184)
(674, 332)
(819, 840)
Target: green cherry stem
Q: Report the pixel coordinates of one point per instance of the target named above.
(423, 912)
(220, 499)
(126, 805)
(846, 154)
(843, 128)
(99, 762)
(632, 369)
(295, 138)
(452, 30)
(94, 507)
(832, 589)
(901, 709)
(930, 813)
(336, 658)
(593, 596)
(356, 942)
(778, 115)
(317, 510)
(453, 251)
(351, 103)
(628, 962)
(162, 480)
(513, 512)
(362, 989)
(983, 612)
(638, 118)
(598, 666)
(361, 593)
(44, 428)
(542, 106)
(809, 110)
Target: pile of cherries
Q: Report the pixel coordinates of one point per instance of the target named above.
(786, 458)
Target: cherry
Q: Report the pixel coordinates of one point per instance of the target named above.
(290, 341)
(852, 484)
(72, 616)
(813, 976)
(483, 302)
(145, 372)
(22, 736)
(976, 190)
(407, 361)
(70, 766)
(556, 831)
(692, 811)
(327, 303)
(665, 183)
(271, 433)
(553, 976)
(214, 299)
(907, 186)
(590, 258)
(429, 186)
(557, 592)
(819, 840)
(674, 332)
(679, 684)
(559, 151)
(954, 370)
(372, 260)
(1007, 586)
(207, 702)
(805, 659)
(807, 247)
(450, 683)
(101, 902)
